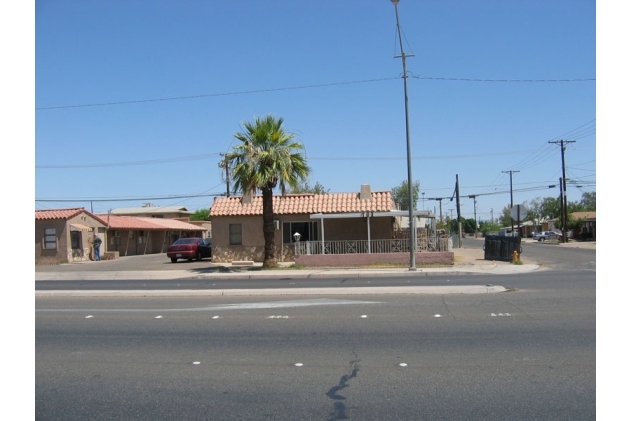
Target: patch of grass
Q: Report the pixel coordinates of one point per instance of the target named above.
(517, 262)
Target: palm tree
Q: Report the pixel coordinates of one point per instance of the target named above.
(267, 157)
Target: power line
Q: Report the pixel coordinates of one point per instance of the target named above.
(455, 79)
(129, 163)
(120, 199)
(322, 158)
(255, 91)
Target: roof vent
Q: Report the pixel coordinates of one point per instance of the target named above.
(364, 193)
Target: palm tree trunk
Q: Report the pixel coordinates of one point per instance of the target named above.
(268, 229)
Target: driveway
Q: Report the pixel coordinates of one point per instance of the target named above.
(151, 262)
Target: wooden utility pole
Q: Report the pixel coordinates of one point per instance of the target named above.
(475, 215)
(511, 196)
(440, 200)
(561, 212)
(458, 210)
(224, 164)
(562, 143)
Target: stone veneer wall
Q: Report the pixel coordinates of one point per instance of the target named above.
(223, 254)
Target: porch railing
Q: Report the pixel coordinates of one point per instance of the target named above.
(400, 245)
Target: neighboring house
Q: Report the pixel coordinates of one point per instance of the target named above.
(66, 235)
(587, 230)
(152, 211)
(323, 222)
(131, 236)
(206, 226)
(525, 229)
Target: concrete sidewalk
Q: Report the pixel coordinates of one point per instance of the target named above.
(466, 261)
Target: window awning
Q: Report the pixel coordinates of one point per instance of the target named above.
(80, 227)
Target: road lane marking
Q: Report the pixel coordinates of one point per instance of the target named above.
(241, 306)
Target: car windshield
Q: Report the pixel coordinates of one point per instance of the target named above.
(185, 241)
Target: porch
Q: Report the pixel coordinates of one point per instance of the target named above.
(432, 247)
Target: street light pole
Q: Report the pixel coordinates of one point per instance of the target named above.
(412, 224)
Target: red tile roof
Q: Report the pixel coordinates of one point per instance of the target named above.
(119, 222)
(305, 203)
(62, 214)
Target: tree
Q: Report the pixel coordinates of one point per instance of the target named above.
(401, 195)
(586, 204)
(588, 200)
(201, 215)
(535, 212)
(268, 157)
(505, 219)
(489, 227)
(468, 225)
(306, 188)
(550, 208)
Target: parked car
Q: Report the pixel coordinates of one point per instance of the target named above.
(190, 248)
(545, 235)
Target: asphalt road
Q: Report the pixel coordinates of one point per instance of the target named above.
(524, 354)
(529, 354)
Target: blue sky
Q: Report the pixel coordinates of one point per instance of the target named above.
(328, 68)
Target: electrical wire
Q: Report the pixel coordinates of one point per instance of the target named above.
(256, 91)
(129, 163)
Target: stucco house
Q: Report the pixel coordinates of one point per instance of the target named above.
(588, 228)
(152, 211)
(66, 235)
(314, 225)
(131, 235)
(587, 232)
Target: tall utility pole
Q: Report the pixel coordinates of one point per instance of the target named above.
(491, 215)
(562, 143)
(475, 217)
(561, 211)
(412, 224)
(458, 208)
(224, 164)
(440, 200)
(511, 196)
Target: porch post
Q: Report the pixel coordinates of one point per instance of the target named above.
(368, 223)
(322, 230)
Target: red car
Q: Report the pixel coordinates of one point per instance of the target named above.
(190, 248)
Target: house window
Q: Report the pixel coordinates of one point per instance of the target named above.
(75, 239)
(308, 231)
(235, 234)
(50, 239)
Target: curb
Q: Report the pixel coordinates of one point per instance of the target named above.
(469, 289)
(492, 269)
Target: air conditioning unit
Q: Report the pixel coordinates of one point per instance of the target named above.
(276, 224)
